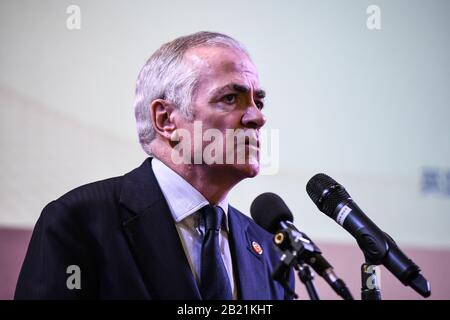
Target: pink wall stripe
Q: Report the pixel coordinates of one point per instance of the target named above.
(13, 246)
(346, 259)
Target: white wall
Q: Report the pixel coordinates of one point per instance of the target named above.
(370, 108)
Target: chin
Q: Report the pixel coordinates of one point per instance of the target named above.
(248, 170)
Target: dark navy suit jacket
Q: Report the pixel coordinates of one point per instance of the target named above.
(121, 235)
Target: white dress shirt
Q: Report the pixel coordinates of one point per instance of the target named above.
(184, 203)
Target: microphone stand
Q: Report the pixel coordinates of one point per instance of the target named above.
(292, 247)
(306, 276)
(378, 249)
(370, 288)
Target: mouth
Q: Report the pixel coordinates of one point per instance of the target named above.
(253, 142)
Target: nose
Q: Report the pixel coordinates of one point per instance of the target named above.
(253, 117)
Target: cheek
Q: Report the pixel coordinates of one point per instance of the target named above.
(223, 121)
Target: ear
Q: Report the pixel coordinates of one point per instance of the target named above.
(161, 111)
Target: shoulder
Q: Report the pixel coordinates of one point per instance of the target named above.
(107, 190)
(98, 194)
(99, 204)
(81, 207)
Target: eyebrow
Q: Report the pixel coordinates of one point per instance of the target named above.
(239, 88)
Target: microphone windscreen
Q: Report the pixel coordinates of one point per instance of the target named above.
(326, 193)
(317, 184)
(268, 210)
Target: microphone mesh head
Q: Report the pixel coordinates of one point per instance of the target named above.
(326, 193)
(316, 186)
(268, 210)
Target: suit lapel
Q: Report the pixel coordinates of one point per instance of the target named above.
(153, 237)
(249, 266)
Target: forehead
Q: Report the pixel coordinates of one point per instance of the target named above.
(220, 65)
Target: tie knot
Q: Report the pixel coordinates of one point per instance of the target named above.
(212, 216)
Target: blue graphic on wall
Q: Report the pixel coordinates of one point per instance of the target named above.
(435, 181)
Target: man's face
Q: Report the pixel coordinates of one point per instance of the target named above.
(228, 97)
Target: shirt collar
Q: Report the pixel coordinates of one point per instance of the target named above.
(183, 199)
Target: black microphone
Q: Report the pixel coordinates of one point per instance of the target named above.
(378, 247)
(271, 212)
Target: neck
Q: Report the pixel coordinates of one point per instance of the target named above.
(213, 182)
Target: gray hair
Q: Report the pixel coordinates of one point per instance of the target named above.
(165, 75)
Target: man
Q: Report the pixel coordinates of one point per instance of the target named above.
(165, 230)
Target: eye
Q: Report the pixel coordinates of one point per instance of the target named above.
(259, 104)
(229, 98)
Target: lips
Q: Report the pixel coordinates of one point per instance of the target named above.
(251, 137)
(254, 143)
